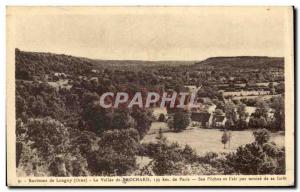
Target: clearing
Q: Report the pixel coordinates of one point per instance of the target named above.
(207, 140)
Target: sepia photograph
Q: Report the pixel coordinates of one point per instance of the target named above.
(150, 96)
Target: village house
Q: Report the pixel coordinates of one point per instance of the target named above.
(82, 77)
(95, 71)
(249, 110)
(157, 111)
(245, 93)
(192, 88)
(165, 77)
(204, 118)
(94, 79)
(204, 100)
(60, 84)
(60, 75)
(211, 108)
(219, 121)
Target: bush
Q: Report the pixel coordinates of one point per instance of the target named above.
(161, 118)
(259, 157)
(181, 121)
(47, 147)
(116, 154)
(170, 123)
(261, 136)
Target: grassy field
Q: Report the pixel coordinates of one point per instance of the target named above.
(263, 97)
(206, 140)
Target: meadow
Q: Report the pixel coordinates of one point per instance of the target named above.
(207, 140)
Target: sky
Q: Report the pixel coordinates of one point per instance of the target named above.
(161, 33)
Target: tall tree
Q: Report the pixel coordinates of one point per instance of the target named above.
(181, 121)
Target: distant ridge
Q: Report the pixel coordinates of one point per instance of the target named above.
(29, 64)
(243, 61)
(60, 56)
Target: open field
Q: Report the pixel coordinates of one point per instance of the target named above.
(263, 97)
(207, 140)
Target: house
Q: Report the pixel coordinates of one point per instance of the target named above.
(204, 100)
(61, 84)
(80, 77)
(95, 79)
(192, 88)
(95, 71)
(222, 79)
(157, 111)
(211, 108)
(245, 93)
(165, 77)
(250, 110)
(219, 121)
(62, 75)
(204, 118)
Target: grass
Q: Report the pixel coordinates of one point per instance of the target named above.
(207, 140)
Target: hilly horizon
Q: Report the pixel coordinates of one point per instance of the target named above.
(209, 60)
(244, 61)
(37, 63)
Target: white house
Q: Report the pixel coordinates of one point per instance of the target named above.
(249, 110)
(95, 71)
(157, 111)
(245, 93)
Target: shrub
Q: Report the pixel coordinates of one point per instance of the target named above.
(116, 154)
(259, 157)
(181, 121)
(161, 118)
(261, 136)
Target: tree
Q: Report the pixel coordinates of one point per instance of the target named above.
(225, 138)
(189, 154)
(261, 136)
(220, 105)
(272, 88)
(171, 159)
(260, 119)
(231, 115)
(116, 154)
(262, 109)
(241, 111)
(122, 119)
(218, 112)
(170, 123)
(166, 157)
(241, 122)
(229, 124)
(97, 119)
(280, 88)
(48, 136)
(160, 136)
(161, 118)
(259, 157)
(181, 121)
(143, 119)
(279, 113)
(47, 146)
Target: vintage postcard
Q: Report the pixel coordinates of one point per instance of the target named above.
(150, 96)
